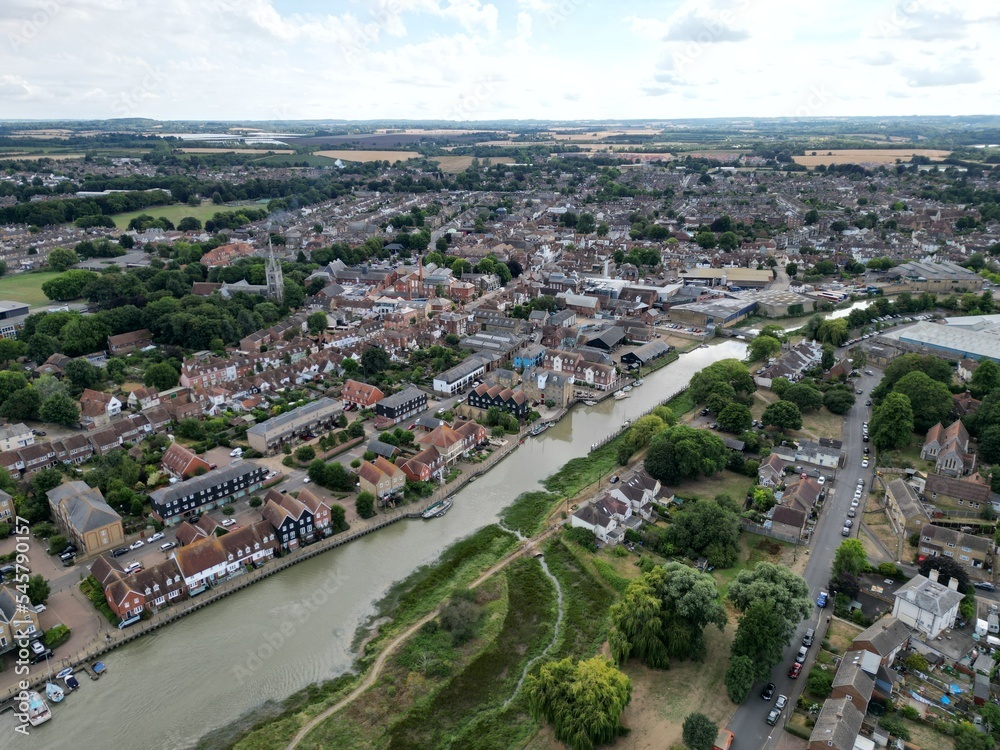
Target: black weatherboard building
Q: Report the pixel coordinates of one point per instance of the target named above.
(210, 490)
(401, 405)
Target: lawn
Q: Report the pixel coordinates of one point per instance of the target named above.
(726, 482)
(27, 288)
(174, 212)
(840, 635)
(906, 458)
(756, 549)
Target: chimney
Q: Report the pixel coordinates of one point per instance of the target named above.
(933, 575)
(953, 583)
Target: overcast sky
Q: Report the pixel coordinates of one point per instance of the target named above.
(473, 59)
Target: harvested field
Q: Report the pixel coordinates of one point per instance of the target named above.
(54, 157)
(868, 156)
(455, 164)
(366, 156)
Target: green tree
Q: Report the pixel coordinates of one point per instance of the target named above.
(947, 569)
(735, 418)
(22, 404)
(763, 347)
(161, 376)
(305, 453)
(60, 259)
(804, 396)
(892, 423)
(374, 361)
(707, 528)
(838, 400)
(583, 701)
(68, 286)
(780, 385)
(739, 678)
(782, 414)
(317, 323)
(820, 682)
(968, 737)
(986, 379)
(792, 269)
(811, 216)
(365, 504)
(930, 399)
(10, 383)
(699, 731)
(730, 372)
(850, 558)
(761, 637)
(11, 349)
(681, 452)
(785, 591)
(38, 589)
(706, 240)
(59, 409)
(936, 368)
(859, 358)
(356, 429)
(833, 331)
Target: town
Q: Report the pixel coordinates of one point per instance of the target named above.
(224, 358)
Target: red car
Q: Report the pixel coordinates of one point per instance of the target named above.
(795, 671)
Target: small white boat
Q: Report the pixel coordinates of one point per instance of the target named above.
(620, 395)
(438, 509)
(38, 710)
(590, 403)
(626, 389)
(637, 383)
(53, 692)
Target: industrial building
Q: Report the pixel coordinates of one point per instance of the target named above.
(976, 337)
(738, 277)
(719, 313)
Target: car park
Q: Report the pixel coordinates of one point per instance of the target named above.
(136, 544)
(768, 692)
(156, 537)
(795, 671)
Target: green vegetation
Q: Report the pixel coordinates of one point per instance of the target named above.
(578, 473)
(26, 288)
(91, 589)
(173, 213)
(423, 589)
(528, 512)
(56, 636)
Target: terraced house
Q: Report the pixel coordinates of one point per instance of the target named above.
(210, 490)
(513, 402)
(974, 553)
(315, 417)
(382, 478)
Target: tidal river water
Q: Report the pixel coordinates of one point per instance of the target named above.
(168, 689)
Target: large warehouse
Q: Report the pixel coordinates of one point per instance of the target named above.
(720, 313)
(976, 337)
(745, 278)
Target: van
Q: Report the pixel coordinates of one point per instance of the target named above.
(801, 656)
(807, 639)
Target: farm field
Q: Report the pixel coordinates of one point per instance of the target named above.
(54, 157)
(455, 164)
(869, 156)
(366, 156)
(236, 151)
(174, 212)
(27, 288)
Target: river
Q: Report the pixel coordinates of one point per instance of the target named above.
(166, 690)
(794, 324)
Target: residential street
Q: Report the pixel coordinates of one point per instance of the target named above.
(748, 724)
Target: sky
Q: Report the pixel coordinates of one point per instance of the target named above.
(505, 59)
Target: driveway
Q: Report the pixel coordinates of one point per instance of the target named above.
(748, 723)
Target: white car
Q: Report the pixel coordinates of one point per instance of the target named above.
(156, 537)
(822, 480)
(864, 464)
(306, 480)
(136, 544)
(229, 522)
(236, 453)
(133, 566)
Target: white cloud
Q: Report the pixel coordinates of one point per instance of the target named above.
(957, 73)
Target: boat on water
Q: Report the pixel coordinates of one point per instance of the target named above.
(438, 509)
(620, 395)
(99, 668)
(540, 428)
(71, 682)
(53, 692)
(637, 383)
(38, 709)
(590, 403)
(626, 389)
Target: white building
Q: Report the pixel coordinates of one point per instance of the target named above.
(926, 605)
(14, 436)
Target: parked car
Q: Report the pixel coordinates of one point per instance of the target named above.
(168, 546)
(133, 566)
(119, 552)
(822, 599)
(772, 716)
(864, 464)
(848, 523)
(768, 692)
(800, 657)
(846, 531)
(39, 608)
(822, 480)
(236, 452)
(795, 671)
(156, 537)
(807, 639)
(985, 586)
(229, 522)
(781, 702)
(136, 544)
(852, 512)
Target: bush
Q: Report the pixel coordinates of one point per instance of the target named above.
(820, 682)
(305, 454)
(57, 543)
(228, 510)
(356, 463)
(255, 502)
(4, 530)
(583, 537)
(365, 504)
(56, 636)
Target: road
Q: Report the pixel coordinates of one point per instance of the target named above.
(748, 724)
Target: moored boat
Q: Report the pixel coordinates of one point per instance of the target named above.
(626, 389)
(620, 395)
(590, 403)
(438, 509)
(637, 383)
(53, 692)
(71, 682)
(38, 710)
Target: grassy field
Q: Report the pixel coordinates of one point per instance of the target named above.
(528, 512)
(906, 458)
(841, 634)
(365, 156)
(27, 288)
(868, 156)
(33, 157)
(455, 164)
(581, 472)
(725, 482)
(174, 212)
(262, 152)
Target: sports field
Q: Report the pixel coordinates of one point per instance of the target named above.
(26, 287)
(174, 212)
